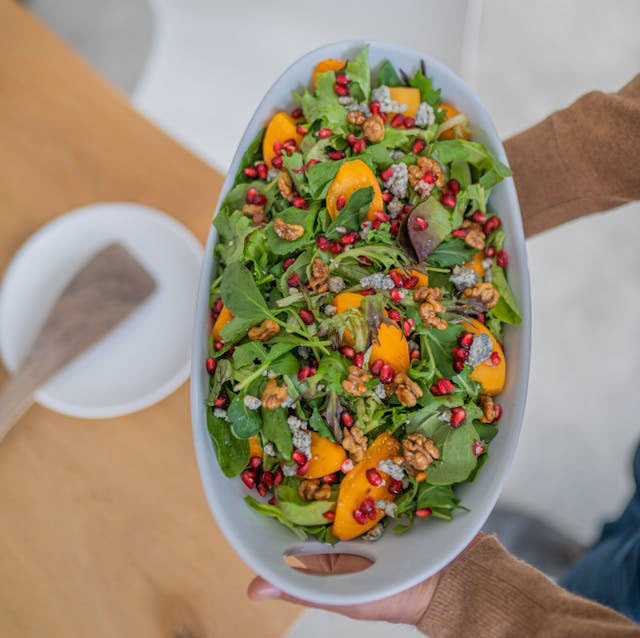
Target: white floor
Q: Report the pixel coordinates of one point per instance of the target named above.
(212, 62)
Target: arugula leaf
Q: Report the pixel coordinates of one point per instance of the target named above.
(324, 106)
(387, 75)
(354, 211)
(360, 75)
(247, 353)
(318, 424)
(274, 353)
(332, 370)
(276, 430)
(427, 93)
(293, 215)
(220, 377)
(241, 295)
(233, 453)
(456, 456)
(451, 252)
(252, 154)
(233, 230)
(437, 496)
(287, 365)
(441, 343)
(301, 512)
(244, 422)
(506, 309)
(275, 512)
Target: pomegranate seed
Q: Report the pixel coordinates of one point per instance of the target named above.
(273, 501)
(340, 90)
(408, 326)
(255, 462)
(217, 306)
(454, 186)
(260, 200)
(277, 477)
(380, 216)
(330, 516)
(418, 147)
(297, 112)
(502, 259)
(349, 238)
(374, 107)
(412, 282)
(251, 195)
(330, 478)
(421, 224)
(340, 202)
(360, 516)
(477, 448)
(491, 251)
(447, 191)
(493, 223)
(368, 505)
(429, 177)
(250, 172)
(304, 372)
(298, 457)
(435, 390)
(311, 162)
(335, 155)
(460, 352)
(301, 130)
(211, 365)
(458, 365)
(299, 202)
(359, 146)
(397, 278)
(386, 197)
(221, 402)
(365, 260)
(262, 489)
(347, 466)
(307, 317)
(267, 479)
(358, 359)
(336, 249)
(277, 147)
(368, 291)
(395, 487)
(376, 366)
(313, 362)
(302, 469)
(294, 280)
(460, 232)
(495, 359)
(480, 317)
(248, 478)
(397, 121)
(498, 409)
(289, 145)
(414, 354)
(287, 263)
(262, 170)
(346, 419)
(409, 122)
(397, 295)
(276, 162)
(386, 174)
(448, 200)
(373, 476)
(394, 315)
(342, 79)
(218, 345)
(387, 373)
(323, 243)
(323, 133)
(347, 351)
(465, 339)
(423, 513)
(458, 415)
(445, 386)
(479, 217)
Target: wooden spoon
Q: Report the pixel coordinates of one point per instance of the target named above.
(101, 294)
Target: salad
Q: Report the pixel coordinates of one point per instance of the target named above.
(358, 308)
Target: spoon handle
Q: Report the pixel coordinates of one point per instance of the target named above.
(16, 397)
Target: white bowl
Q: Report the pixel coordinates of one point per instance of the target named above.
(400, 561)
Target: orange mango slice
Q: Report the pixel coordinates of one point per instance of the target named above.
(456, 131)
(475, 263)
(282, 127)
(355, 488)
(326, 65)
(223, 319)
(255, 449)
(491, 378)
(326, 457)
(406, 95)
(353, 176)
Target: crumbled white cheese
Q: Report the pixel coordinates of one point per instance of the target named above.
(425, 115)
(380, 391)
(374, 534)
(220, 413)
(289, 469)
(300, 436)
(445, 416)
(423, 189)
(336, 284)
(351, 104)
(288, 402)
(388, 507)
(387, 105)
(480, 349)
(272, 174)
(303, 351)
(396, 154)
(394, 207)
(341, 229)
(293, 291)
(269, 450)
(251, 402)
(399, 180)
(329, 310)
(395, 471)
(463, 278)
(321, 387)
(486, 264)
(377, 281)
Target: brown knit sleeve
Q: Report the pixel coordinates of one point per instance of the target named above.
(487, 593)
(580, 160)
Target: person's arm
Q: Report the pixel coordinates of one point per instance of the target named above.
(580, 160)
(487, 593)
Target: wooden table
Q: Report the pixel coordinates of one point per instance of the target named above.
(104, 529)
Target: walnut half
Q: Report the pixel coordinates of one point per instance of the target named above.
(483, 292)
(289, 232)
(273, 395)
(319, 281)
(267, 329)
(354, 441)
(418, 451)
(355, 383)
(373, 128)
(311, 490)
(407, 390)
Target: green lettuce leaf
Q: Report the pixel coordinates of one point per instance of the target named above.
(276, 430)
(506, 309)
(387, 75)
(456, 456)
(275, 512)
(233, 453)
(427, 93)
(450, 252)
(301, 512)
(353, 213)
(324, 105)
(293, 215)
